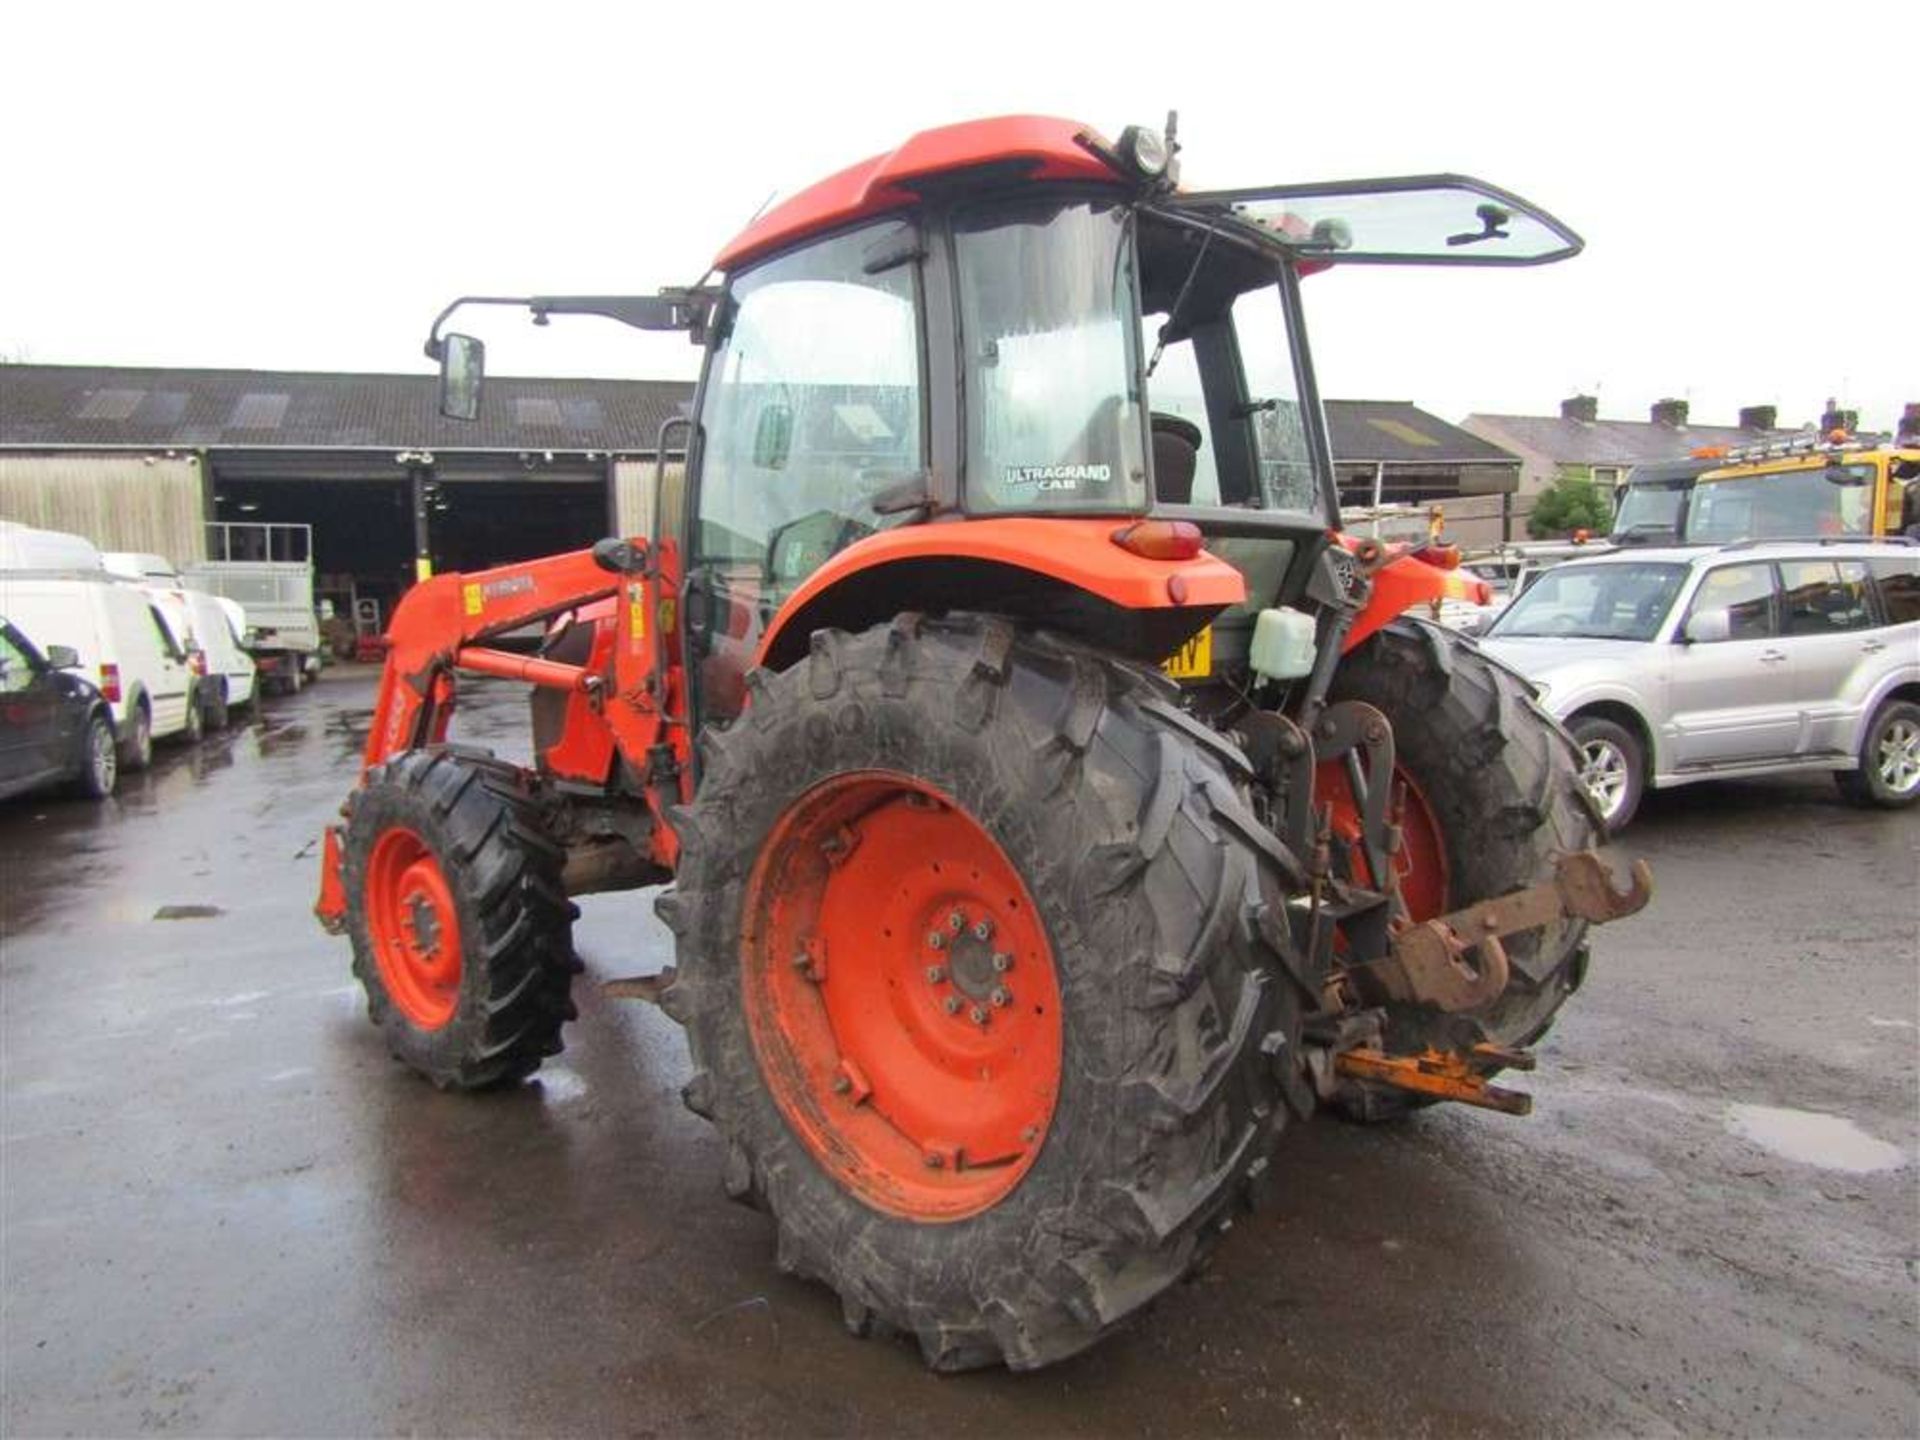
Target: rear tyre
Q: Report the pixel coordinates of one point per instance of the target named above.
(136, 751)
(217, 706)
(196, 725)
(1889, 773)
(1613, 767)
(99, 759)
(1501, 782)
(1006, 1189)
(461, 932)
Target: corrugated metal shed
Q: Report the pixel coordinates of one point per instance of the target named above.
(149, 503)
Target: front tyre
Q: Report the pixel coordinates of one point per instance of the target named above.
(1889, 773)
(99, 758)
(461, 931)
(977, 976)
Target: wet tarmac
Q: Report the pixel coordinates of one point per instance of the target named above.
(224, 1210)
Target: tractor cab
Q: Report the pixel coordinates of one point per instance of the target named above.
(1015, 319)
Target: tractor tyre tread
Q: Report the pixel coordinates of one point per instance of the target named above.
(1502, 779)
(484, 820)
(1172, 990)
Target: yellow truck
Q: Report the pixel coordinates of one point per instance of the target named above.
(1801, 488)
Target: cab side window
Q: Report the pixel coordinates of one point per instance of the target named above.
(1745, 592)
(1178, 418)
(1816, 599)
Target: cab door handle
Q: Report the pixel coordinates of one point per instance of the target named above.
(1771, 657)
(1873, 647)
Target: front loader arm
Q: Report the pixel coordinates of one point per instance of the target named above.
(443, 625)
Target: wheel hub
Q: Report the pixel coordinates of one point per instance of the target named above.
(413, 928)
(912, 1036)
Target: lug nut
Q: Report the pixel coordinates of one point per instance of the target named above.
(1002, 962)
(983, 930)
(1001, 996)
(977, 1015)
(956, 922)
(933, 1161)
(935, 974)
(1030, 1134)
(936, 940)
(841, 1084)
(951, 1004)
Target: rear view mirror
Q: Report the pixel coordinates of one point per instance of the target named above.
(463, 361)
(1709, 627)
(772, 437)
(63, 657)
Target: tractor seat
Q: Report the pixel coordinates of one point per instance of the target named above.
(1176, 455)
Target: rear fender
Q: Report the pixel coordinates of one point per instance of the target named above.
(1065, 573)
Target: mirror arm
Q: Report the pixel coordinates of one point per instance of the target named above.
(433, 345)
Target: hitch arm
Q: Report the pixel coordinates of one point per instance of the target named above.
(1457, 963)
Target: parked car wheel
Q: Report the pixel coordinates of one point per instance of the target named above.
(99, 759)
(1613, 767)
(1889, 773)
(196, 719)
(216, 696)
(136, 752)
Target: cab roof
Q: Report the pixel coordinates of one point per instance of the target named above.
(1030, 147)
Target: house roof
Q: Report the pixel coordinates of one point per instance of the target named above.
(109, 405)
(1399, 432)
(1608, 442)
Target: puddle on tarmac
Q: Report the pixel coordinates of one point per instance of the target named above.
(1828, 1141)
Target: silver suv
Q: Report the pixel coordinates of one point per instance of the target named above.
(1673, 665)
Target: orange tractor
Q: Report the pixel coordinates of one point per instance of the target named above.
(1054, 808)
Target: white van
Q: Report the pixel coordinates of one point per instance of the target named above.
(202, 625)
(53, 586)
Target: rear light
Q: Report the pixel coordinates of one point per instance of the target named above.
(1708, 452)
(1160, 539)
(110, 683)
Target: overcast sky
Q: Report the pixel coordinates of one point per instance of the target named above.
(268, 186)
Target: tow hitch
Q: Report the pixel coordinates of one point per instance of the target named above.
(1456, 964)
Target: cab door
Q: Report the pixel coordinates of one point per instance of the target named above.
(1732, 693)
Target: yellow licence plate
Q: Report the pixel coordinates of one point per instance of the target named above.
(1193, 660)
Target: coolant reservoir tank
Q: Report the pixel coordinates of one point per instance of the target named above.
(1283, 646)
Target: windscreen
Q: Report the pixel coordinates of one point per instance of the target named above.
(1652, 507)
(1784, 505)
(1595, 602)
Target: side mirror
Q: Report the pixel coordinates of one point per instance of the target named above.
(63, 657)
(1708, 627)
(772, 437)
(463, 363)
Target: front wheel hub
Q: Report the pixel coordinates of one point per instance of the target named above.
(934, 984)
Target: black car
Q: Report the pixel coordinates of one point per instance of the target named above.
(54, 726)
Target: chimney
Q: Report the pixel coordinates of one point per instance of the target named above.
(1584, 408)
(1760, 417)
(1909, 432)
(1834, 418)
(1670, 413)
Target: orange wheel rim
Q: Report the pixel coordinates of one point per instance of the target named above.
(901, 995)
(1422, 861)
(414, 928)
